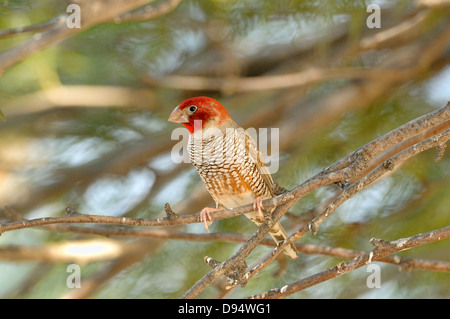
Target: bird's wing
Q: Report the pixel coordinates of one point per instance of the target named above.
(256, 157)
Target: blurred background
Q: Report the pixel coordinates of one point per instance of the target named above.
(85, 126)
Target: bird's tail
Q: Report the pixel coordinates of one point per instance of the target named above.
(279, 234)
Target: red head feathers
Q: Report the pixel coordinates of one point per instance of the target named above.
(205, 109)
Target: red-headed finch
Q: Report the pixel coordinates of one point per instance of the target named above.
(228, 161)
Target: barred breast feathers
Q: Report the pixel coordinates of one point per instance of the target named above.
(229, 163)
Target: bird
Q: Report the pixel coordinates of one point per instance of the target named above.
(228, 161)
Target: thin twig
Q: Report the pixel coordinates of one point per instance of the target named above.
(349, 192)
(350, 166)
(94, 12)
(381, 250)
(39, 27)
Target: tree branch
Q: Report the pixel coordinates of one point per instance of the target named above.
(311, 249)
(94, 12)
(326, 177)
(39, 27)
(351, 166)
(349, 192)
(381, 250)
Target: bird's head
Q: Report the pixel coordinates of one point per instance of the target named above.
(205, 109)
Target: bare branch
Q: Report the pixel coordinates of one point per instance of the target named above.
(305, 77)
(349, 192)
(381, 250)
(73, 251)
(311, 249)
(39, 27)
(358, 161)
(328, 176)
(80, 96)
(351, 166)
(94, 12)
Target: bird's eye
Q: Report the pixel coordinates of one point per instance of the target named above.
(192, 108)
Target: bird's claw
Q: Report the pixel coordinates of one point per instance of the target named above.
(205, 216)
(257, 205)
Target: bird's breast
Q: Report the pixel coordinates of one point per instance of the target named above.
(228, 172)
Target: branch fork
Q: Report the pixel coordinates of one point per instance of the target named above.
(356, 171)
(235, 276)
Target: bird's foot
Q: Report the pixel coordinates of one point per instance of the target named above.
(205, 216)
(258, 206)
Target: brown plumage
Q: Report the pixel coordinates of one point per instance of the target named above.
(228, 162)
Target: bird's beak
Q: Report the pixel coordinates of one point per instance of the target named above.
(178, 116)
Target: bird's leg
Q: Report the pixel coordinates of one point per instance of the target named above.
(205, 214)
(257, 205)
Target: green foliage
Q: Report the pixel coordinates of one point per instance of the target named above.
(97, 157)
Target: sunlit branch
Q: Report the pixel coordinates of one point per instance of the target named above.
(311, 249)
(381, 250)
(349, 192)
